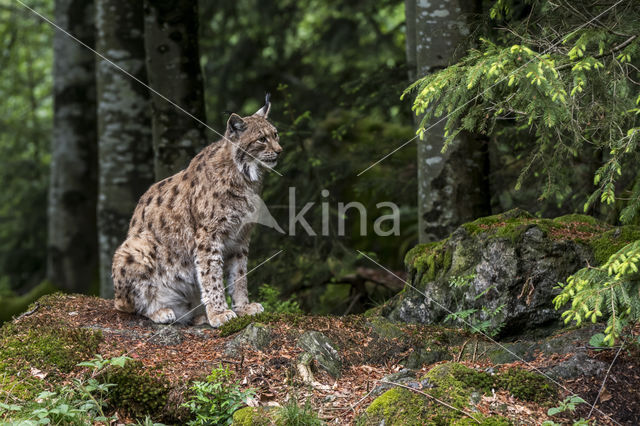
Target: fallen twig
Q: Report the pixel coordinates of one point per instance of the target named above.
(29, 312)
(604, 381)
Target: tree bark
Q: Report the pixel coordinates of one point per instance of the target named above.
(410, 37)
(124, 126)
(173, 67)
(452, 187)
(72, 259)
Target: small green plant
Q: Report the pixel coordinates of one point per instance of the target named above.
(292, 414)
(568, 404)
(83, 402)
(215, 400)
(270, 298)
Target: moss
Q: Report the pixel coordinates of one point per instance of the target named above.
(385, 328)
(52, 349)
(429, 260)
(478, 380)
(250, 416)
(137, 392)
(47, 347)
(397, 406)
(579, 218)
(509, 224)
(526, 385)
(611, 241)
(237, 324)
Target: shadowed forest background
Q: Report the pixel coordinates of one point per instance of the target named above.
(80, 141)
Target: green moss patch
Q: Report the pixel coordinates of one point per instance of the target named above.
(238, 324)
(52, 350)
(138, 392)
(458, 386)
(610, 242)
(429, 260)
(526, 385)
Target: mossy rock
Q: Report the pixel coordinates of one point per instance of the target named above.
(502, 271)
(385, 328)
(240, 323)
(254, 416)
(452, 383)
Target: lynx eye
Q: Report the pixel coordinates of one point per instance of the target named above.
(262, 140)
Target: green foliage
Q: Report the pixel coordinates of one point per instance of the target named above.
(270, 299)
(215, 400)
(566, 82)
(82, 402)
(26, 59)
(292, 414)
(568, 404)
(475, 320)
(137, 391)
(609, 291)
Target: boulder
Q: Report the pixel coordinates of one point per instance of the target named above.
(499, 274)
(255, 335)
(323, 351)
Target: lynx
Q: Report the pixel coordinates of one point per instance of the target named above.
(190, 229)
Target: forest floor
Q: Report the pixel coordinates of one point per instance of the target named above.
(181, 354)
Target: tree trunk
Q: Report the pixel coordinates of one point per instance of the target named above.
(173, 67)
(452, 187)
(410, 37)
(124, 126)
(72, 258)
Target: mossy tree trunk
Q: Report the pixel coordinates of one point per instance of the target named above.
(173, 67)
(72, 258)
(124, 126)
(452, 186)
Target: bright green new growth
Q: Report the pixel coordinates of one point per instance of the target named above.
(215, 400)
(609, 291)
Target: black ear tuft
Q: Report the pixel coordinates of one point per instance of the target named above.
(264, 111)
(235, 124)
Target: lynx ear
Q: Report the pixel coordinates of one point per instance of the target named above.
(235, 125)
(264, 111)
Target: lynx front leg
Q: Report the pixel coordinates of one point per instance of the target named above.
(209, 267)
(238, 286)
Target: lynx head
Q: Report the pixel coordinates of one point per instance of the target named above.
(255, 140)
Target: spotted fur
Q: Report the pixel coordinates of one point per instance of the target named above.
(189, 230)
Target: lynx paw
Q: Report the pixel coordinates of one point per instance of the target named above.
(249, 309)
(216, 320)
(200, 320)
(163, 316)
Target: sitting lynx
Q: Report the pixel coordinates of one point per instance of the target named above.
(190, 228)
